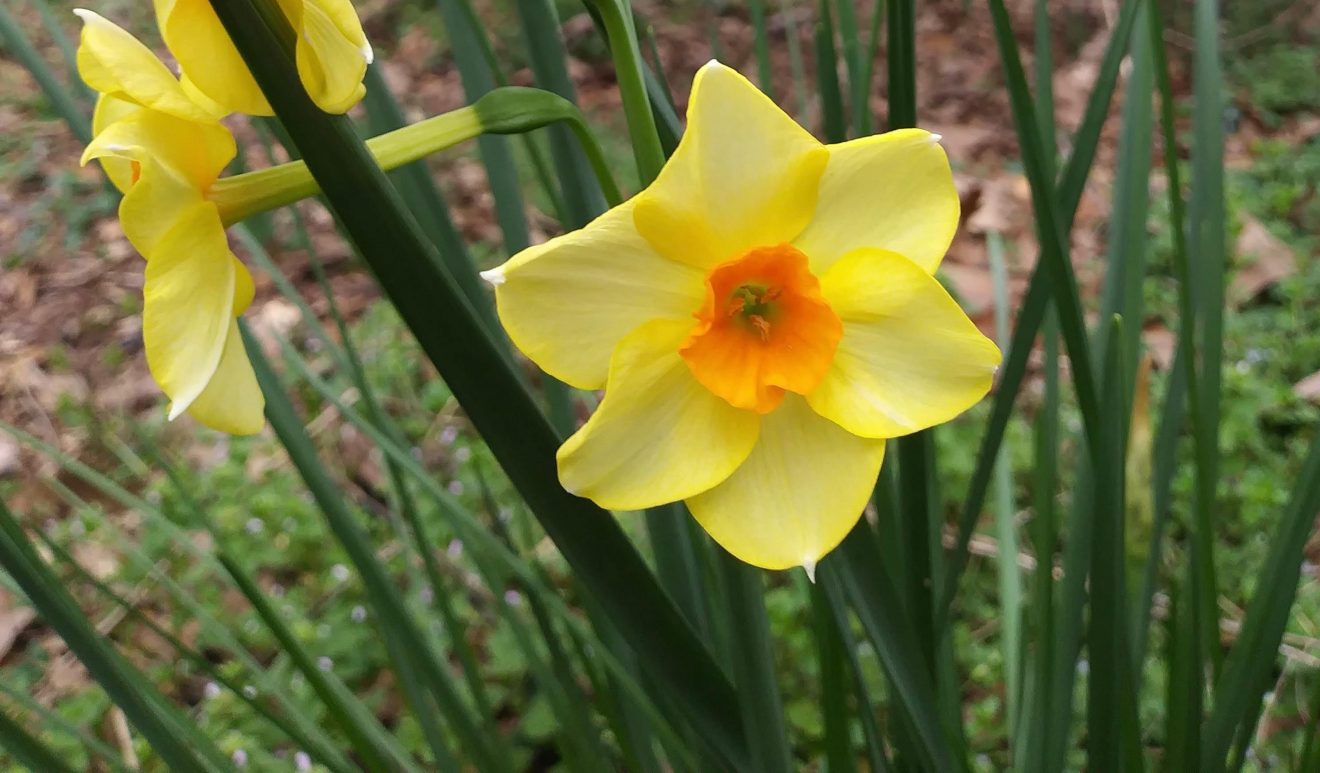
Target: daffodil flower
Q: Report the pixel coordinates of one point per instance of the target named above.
(163, 146)
(332, 53)
(761, 317)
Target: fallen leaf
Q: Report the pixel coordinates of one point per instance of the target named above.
(1309, 387)
(1267, 258)
(12, 623)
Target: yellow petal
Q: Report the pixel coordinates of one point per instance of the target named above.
(113, 62)
(188, 305)
(798, 494)
(232, 401)
(567, 303)
(110, 109)
(909, 357)
(177, 160)
(198, 40)
(743, 176)
(658, 436)
(893, 191)
(333, 53)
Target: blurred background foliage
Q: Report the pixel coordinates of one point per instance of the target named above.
(73, 385)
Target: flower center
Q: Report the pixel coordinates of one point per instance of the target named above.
(763, 330)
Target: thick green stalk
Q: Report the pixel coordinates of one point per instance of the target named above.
(616, 17)
(505, 110)
(486, 386)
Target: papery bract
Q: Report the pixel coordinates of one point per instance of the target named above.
(762, 317)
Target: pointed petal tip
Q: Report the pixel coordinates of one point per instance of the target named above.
(935, 138)
(809, 564)
(367, 53)
(84, 14)
(494, 276)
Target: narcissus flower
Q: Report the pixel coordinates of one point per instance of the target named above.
(762, 317)
(163, 146)
(332, 53)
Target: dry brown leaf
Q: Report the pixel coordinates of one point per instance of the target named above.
(1267, 260)
(1309, 387)
(12, 623)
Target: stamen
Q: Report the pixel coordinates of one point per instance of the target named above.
(762, 326)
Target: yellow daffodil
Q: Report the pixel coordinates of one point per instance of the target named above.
(163, 149)
(332, 53)
(762, 317)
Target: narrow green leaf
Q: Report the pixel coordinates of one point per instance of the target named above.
(1043, 54)
(874, 595)
(1032, 311)
(876, 753)
(902, 32)
(1206, 228)
(1010, 581)
(63, 102)
(1113, 742)
(761, 44)
(617, 20)
(1244, 677)
(28, 749)
(827, 76)
(1183, 710)
(679, 556)
(859, 102)
(174, 738)
(754, 665)
(419, 190)
(833, 690)
(602, 557)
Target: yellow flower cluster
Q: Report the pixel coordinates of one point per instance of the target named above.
(762, 317)
(161, 142)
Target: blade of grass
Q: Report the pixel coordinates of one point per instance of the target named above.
(754, 667)
(548, 57)
(291, 723)
(410, 651)
(602, 557)
(1043, 55)
(1032, 311)
(178, 742)
(902, 33)
(874, 595)
(1185, 685)
(1206, 224)
(617, 21)
(428, 205)
(1031, 754)
(1010, 581)
(1182, 393)
(761, 45)
(1244, 678)
(833, 690)
(1113, 742)
(827, 76)
(877, 755)
(477, 537)
(859, 104)
(96, 748)
(787, 12)
(27, 749)
(61, 100)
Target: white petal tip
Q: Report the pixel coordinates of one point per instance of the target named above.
(368, 54)
(176, 410)
(494, 276)
(87, 16)
(936, 137)
(809, 564)
(712, 63)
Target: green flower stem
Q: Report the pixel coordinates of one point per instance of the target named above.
(616, 18)
(502, 111)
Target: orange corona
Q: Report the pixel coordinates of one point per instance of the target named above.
(763, 330)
